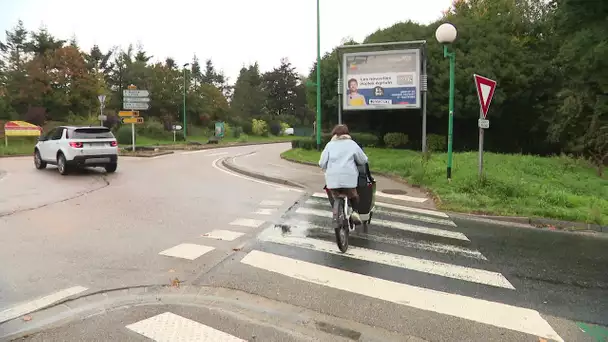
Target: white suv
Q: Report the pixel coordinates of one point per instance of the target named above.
(70, 147)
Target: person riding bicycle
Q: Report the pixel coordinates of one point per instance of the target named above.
(339, 161)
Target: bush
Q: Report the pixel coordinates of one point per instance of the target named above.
(284, 126)
(237, 132)
(154, 129)
(123, 135)
(275, 128)
(436, 143)
(243, 138)
(363, 139)
(259, 127)
(228, 131)
(395, 139)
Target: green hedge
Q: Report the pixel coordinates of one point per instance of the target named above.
(363, 139)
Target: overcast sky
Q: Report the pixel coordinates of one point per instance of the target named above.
(230, 32)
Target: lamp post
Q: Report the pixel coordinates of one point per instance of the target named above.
(318, 76)
(446, 35)
(185, 65)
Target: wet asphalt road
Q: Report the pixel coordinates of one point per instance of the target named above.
(116, 233)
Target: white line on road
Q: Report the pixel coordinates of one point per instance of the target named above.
(217, 154)
(251, 223)
(37, 304)
(171, 327)
(470, 274)
(187, 251)
(478, 310)
(220, 234)
(396, 207)
(194, 152)
(402, 197)
(271, 203)
(395, 213)
(276, 186)
(394, 225)
(265, 211)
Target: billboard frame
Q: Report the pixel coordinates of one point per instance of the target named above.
(421, 45)
(417, 84)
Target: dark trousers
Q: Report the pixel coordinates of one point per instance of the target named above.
(351, 193)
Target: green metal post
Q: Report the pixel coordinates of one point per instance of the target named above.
(184, 103)
(452, 57)
(318, 126)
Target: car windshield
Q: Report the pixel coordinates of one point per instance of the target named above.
(91, 133)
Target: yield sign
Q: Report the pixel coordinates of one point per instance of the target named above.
(101, 98)
(485, 91)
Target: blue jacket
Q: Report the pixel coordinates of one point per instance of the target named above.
(339, 160)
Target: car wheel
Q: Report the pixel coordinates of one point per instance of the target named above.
(111, 168)
(62, 165)
(38, 162)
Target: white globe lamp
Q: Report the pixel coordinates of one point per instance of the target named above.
(446, 33)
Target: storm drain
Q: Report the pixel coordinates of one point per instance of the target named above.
(338, 331)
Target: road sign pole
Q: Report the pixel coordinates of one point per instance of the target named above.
(480, 146)
(133, 136)
(101, 114)
(452, 57)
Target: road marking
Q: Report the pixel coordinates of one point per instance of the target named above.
(265, 211)
(394, 225)
(251, 223)
(271, 203)
(478, 310)
(37, 304)
(395, 213)
(276, 186)
(187, 251)
(397, 207)
(407, 243)
(470, 274)
(168, 327)
(402, 197)
(220, 234)
(217, 154)
(197, 151)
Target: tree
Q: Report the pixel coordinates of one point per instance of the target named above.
(280, 86)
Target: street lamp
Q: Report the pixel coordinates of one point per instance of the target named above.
(446, 35)
(185, 65)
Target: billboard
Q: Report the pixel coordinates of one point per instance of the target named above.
(381, 80)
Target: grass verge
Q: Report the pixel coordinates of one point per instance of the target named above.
(514, 185)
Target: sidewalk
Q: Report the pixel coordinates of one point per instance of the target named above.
(267, 164)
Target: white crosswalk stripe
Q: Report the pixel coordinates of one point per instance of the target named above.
(405, 239)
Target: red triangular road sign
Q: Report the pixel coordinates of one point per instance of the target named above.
(485, 91)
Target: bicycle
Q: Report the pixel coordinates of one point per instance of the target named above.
(342, 221)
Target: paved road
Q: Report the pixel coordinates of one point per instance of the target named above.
(418, 275)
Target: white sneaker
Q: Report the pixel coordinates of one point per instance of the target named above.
(355, 217)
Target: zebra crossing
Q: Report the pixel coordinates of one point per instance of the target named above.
(407, 240)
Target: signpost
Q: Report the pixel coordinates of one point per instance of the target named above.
(102, 104)
(175, 128)
(485, 92)
(134, 99)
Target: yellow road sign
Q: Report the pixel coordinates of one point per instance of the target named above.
(129, 113)
(131, 87)
(132, 120)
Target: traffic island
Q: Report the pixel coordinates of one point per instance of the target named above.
(230, 165)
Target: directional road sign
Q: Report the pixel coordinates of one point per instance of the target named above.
(138, 120)
(485, 91)
(136, 105)
(128, 113)
(136, 99)
(135, 93)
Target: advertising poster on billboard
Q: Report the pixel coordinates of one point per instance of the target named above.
(381, 80)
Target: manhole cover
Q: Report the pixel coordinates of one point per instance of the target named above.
(394, 192)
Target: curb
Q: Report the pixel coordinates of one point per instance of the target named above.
(214, 146)
(157, 154)
(227, 163)
(516, 221)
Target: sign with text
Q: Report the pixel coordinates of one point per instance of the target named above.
(128, 113)
(136, 105)
(135, 93)
(381, 80)
(138, 120)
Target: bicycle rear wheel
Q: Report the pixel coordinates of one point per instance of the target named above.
(341, 228)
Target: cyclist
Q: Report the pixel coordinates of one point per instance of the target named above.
(339, 161)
